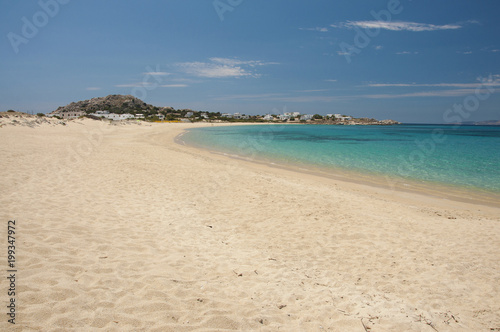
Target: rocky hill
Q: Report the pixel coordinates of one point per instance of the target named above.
(118, 104)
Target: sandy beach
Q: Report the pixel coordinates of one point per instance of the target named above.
(120, 228)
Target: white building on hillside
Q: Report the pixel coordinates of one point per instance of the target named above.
(113, 116)
(268, 117)
(70, 114)
(342, 118)
(126, 116)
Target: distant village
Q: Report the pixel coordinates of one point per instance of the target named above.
(122, 108)
(190, 116)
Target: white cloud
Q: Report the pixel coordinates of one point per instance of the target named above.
(237, 62)
(320, 29)
(185, 80)
(222, 67)
(330, 80)
(213, 71)
(396, 26)
(440, 93)
(462, 89)
(378, 47)
(157, 73)
(406, 52)
(440, 85)
(174, 86)
(93, 88)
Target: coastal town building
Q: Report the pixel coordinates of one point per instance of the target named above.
(69, 115)
(189, 114)
(112, 116)
(306, 117)
(341, 117)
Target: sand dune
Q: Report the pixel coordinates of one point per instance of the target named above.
(119, 228)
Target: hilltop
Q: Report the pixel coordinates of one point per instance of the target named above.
(118, 104)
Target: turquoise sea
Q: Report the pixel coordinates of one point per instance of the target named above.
(460, 156)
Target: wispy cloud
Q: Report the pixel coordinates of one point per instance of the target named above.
(222, 68)
(440, 85)
(439, 93)
(202, 69)
(330, 80)
(174, 86)
(320, 29)
(237, 62)
(93, 88)
(157, 73)
(304, 96)
(406, 52)
(396, 26)
(461, 89)
(185, 80)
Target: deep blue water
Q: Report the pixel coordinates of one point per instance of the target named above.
(465, 156)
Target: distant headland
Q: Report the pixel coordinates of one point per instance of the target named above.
(125, 107)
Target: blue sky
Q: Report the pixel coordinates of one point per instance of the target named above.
(420, 61)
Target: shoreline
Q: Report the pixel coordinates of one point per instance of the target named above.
(121, 228)
(435, 190)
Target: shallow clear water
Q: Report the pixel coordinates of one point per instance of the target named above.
(465, 156)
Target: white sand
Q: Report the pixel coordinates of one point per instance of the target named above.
(120, 228)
